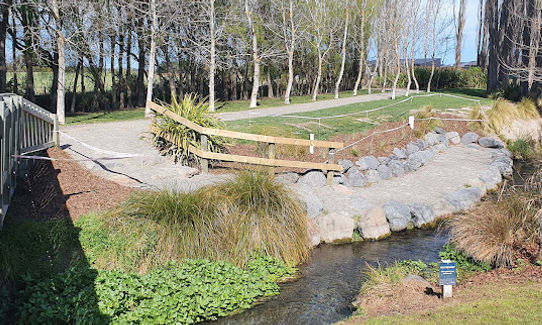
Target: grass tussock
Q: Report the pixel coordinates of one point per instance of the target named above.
(503, 231)
(425, 113)
(283, 151)
(230, 221)
(504, 112)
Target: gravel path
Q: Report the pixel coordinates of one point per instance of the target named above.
(302, 108)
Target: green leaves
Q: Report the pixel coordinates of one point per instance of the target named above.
(183, 293)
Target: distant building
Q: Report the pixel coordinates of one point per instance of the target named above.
(417, 62)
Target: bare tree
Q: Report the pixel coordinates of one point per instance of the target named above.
(343, 48)
(459, 33)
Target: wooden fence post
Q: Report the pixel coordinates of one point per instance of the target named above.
(56, 134)
(331, 160)
(271, 151)
(204, 147)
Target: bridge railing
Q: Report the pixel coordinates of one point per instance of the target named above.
(271, 141)
(24, 128)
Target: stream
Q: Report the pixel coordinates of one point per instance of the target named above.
(332, 278)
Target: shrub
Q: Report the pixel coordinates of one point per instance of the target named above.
(229, 221)
(194, 110)
(501, 232)
(473, 77)
(180, 293)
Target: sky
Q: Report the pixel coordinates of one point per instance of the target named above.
(470, 35)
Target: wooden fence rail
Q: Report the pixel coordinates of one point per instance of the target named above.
(24, 128)
(271, 141)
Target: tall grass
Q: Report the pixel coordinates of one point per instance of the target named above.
(504, 112)
(500, 232)
(426, 112)
(231, 221)
(196, 110)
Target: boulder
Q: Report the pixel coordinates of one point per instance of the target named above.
(312, 204)
(439, 130)
(453, 137)
(398, 215)
(439, 148)
(469, 137)
(384, 172)
(335, 226)
(412, 148)
(346, 164)
(383, 160)
(464, 199)
(373, 176)
(397, 168)
(432, 138)
(355, 178)
(422, 145)
(414, 162)
(399, 153)
(491, 177)
(504, 165)
(313, 178)
(374, 225)
(367, 162)
(288, 178)
(421, 214)
(443, 140)
(339, 179)
(488, 142)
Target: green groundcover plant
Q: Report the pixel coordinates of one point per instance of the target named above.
(176, 293)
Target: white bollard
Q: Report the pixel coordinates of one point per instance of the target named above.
(311, 148)
(411, 122)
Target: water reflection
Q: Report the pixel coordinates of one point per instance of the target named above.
(333, 277)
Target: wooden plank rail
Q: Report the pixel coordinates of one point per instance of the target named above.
(24, 128)
(207, 155)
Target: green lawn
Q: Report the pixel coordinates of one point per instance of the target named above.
(243, 105)
(510, 304)
(326, 128)
(114, 116)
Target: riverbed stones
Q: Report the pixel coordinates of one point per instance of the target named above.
(346, 164)
(504, 165)
(384, 172)
(453, 137)
(336, 226)
(412, 148)
(439, 130)
(398, 215)
(355, 178)
(491, 177)
(414, 162)
(422, 145)
(372, 176)
(464, 199)
(397, 168)
(399, 153)
(432, 138)
(374, 225)
(488, 142)
(383, 160)
(367, 162)
(288, 178)
(339, 179)
(313, 179)
(469, 137)
(312, 204)
(421, 214)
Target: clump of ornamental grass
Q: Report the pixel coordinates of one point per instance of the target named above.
(282, 151)
(427, 122)
(231, 221)
(480, 125)
(173, 138)
(504, 112)
(501, 232)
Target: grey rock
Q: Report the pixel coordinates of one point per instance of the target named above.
(439, 130)
(346, 164)
(359, 204)
(464, 199)
(488, 142)
(367, 162)
(399, 153)
(421, 214)
(335, 226)
(421, 144)
(373, 176)
(312, 204)
(414, 162)
(340, 179)
(373, 224)
(184, 171)
(473, 146)
(288, 178)
(313, 178)
(443, 140)
(355, 178)
(453, 137)
(393, 157)
(384, 160)
(491, 177)
(432, 138)
(398, 215)
(469, 137)
(500, 152)
(439, 147)
(397, 168)
(416, 279)
(384, 171)
(504, 165)
(412, 148)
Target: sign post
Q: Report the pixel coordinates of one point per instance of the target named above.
(447, 277)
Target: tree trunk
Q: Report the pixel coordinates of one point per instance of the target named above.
(318, 76)
(128, 79)
(459, 33)
(152, 55)
(255, 58)
(140, 87)
(170, 72)
(212, 61)
(493, 67)
(74, 93)
(4, 21)
(14, 54)
(60, 91)
(27, 22)
(414, 76)
(480, 28)
(361, 51)
(432, 74)
(290, 55)
(343, 59)
(533, 44)
(114, 88)
(83, 90)
(120, 78)
(269, 84)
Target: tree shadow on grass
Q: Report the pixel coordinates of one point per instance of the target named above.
(475, 92)
(44, 275)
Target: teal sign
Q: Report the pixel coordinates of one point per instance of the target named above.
(447, 273)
